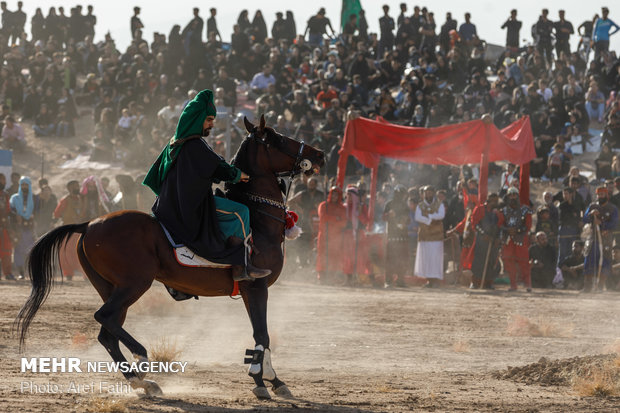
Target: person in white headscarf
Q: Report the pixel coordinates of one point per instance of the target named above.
(22, 207)
(429, 258)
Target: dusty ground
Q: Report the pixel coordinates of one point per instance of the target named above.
(338, 349)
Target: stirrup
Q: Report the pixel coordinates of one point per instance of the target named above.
(244, 275)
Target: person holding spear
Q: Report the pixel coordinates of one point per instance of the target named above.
(603, 217)
(485, 250)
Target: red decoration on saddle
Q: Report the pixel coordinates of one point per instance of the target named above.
(291, 219)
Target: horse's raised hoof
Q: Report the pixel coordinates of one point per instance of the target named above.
(151, 389)
(261, 393)
(283, 391)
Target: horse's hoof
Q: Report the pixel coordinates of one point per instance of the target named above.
(151, 388)
(261, 393)
(283, 391)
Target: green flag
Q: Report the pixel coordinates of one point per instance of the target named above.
(349, 7)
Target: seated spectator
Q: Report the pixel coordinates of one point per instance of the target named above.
(555, 161)
(90, 92)
(329, 132)
(603, 163)
(545, 224)
(325, 96)
(543, 259)
(417, 119)
(64, 124)
(43, 123)
(13, 134)
(386, 104)
(300, 106)
(168, 115)
(125, 125)
(595, 103)
(572, 267)
(261, 81)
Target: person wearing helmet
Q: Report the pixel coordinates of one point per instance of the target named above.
(515, 221)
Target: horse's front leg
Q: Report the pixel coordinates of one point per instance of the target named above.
(255, 297)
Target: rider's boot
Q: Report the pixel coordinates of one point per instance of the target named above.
(246, 272)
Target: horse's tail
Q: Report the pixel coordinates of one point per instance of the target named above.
(41, 263)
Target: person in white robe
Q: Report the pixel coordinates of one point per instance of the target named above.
(429, 259)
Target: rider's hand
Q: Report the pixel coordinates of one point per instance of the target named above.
(244, 177)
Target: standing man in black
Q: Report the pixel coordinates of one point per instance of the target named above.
(544, 30)
(402, 16)
(570, 223)
(90, 20)
(563, 30)
(212, 24)
(278, 30)
(7, 21)
(195, 25)
(444, 34)
(317, 27)
(19, 21)
(135, 23)
(386, 25)
(513, 27)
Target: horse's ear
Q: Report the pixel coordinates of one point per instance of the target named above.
(248, 125)
(261, 125)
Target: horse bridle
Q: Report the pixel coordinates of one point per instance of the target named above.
(300, 165)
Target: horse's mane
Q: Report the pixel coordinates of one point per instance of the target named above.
(240, 160)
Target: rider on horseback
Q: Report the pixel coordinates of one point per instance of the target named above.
(215, 228)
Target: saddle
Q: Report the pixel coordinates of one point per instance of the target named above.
(187, 257)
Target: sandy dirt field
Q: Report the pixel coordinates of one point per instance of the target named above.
(339, 350)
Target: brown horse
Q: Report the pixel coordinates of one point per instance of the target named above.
(122, 253)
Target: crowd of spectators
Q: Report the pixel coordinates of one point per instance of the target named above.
(415, 72)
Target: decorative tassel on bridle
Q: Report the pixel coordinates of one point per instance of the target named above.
(291, 230)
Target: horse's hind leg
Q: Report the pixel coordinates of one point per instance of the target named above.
(111, 316)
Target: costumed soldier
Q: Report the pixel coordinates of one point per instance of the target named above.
(330, 240)
(357, 256)
(465, 229)
(215, 228)
(515, 221)
(603, 217)
(396, 215)
(483, 256)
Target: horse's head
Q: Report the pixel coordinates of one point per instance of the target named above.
(281, 154)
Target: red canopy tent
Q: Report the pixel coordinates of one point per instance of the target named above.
(470, 142)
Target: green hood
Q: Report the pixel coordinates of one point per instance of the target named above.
(190, 124)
